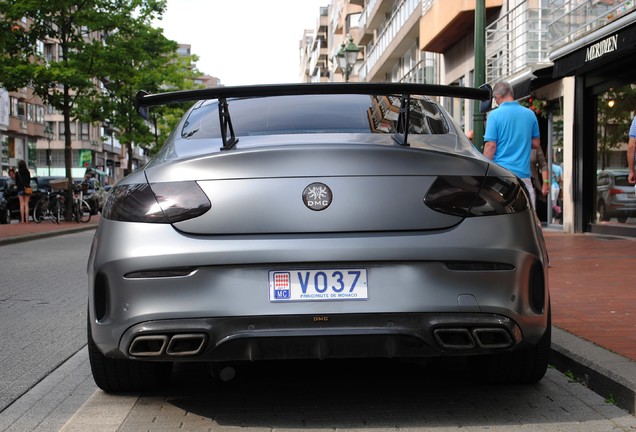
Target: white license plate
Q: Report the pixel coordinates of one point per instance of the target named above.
(317, 285)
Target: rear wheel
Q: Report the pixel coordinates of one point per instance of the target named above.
(85, 212)
(40, 209)
(123, 375)
(517, 367)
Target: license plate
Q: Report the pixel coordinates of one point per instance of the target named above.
(317, 285)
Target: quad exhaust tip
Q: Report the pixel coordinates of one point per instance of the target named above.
(177, 345)
(465, 339)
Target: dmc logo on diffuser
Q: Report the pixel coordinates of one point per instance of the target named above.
(317, 196)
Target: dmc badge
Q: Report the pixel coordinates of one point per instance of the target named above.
(317, 196)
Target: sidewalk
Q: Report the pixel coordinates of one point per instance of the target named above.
(593, 288)
(18, 232)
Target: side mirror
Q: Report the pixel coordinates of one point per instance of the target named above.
(485, 105)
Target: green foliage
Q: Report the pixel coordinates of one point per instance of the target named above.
(108, 50)
(135, 58)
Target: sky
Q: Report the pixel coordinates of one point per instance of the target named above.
(243, 42)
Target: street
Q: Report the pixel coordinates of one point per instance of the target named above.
(45, 382)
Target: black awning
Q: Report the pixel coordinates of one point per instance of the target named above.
(599, 52)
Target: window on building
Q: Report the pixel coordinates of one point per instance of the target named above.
(84, 131)
(39, 114)
(17, 108)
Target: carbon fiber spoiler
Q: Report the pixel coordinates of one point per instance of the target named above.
(143, 100)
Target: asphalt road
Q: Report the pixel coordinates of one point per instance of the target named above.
(42, 310)
(45, 382)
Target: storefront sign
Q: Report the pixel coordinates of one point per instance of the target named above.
(601, 48)
(599, 52)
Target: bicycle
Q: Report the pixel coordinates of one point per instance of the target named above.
(81, 209)
(50, 206)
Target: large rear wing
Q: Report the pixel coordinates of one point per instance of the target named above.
(143, 100)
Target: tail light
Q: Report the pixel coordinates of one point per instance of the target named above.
(156, 203)
(616, 192)
(468, 196)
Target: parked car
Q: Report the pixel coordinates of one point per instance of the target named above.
(13, 202)
(5, 213)
(316, 221)
(615, 196)
(94, 194)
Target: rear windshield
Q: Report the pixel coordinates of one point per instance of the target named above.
(314, 114)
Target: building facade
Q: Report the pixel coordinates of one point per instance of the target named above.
(571, 61)
(21, 124)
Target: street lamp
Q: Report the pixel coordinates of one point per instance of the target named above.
(49, 136)
(347, 57)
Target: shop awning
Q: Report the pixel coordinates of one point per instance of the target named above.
(614, 40)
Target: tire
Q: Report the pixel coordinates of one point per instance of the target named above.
(85, 213)
(517, 367)
(123, 375)
(622, 219)
(40, 209)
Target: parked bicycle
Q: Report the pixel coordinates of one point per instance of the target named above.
(52, 205)
(81, 209)
(49, 206)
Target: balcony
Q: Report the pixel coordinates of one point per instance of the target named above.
(573, 19)
(518, 43)
(443, 24)
(393, 36)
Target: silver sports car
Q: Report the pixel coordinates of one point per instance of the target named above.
(316, 221)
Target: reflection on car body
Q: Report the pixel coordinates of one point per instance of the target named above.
(316, 221)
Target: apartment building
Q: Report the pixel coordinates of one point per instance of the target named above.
(21, 124)
(572, 61)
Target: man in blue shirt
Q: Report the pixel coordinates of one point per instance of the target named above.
(512, 131)
(631, 151)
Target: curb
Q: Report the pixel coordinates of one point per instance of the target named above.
(608, 374)
(45, 234)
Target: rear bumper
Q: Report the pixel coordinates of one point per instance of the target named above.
(219, 292)
(320, 337)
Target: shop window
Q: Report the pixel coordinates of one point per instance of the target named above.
(615, 198)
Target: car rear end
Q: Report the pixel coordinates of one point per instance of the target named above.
(318, 246)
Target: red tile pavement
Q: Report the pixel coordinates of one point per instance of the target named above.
(16, 230)
(592, 282)
(593, 288)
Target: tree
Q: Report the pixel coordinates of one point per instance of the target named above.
(136, 57)
(77, 27)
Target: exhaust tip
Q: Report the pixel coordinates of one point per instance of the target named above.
(186, 344)
(148, 346)
(492, 338)
(454, 338)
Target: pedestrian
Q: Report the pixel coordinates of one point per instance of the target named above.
(539, 173)
(512, 131)
(557, 178)
(631, 151)
(11, 184)
(23, 184)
